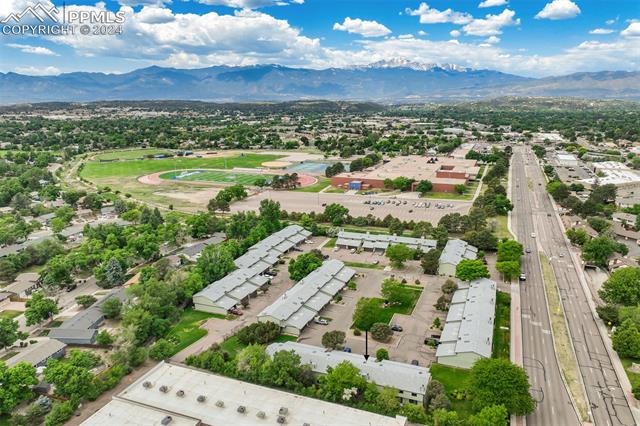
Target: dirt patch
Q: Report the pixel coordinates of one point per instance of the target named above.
(276, 164)
(195, 197)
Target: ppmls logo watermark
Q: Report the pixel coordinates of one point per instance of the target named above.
(46, 19)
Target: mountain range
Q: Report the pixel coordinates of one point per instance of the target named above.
(394, 81)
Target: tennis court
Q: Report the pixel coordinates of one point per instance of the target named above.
(215, 176)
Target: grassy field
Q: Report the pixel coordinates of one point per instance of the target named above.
(468, 195)
(130, 154)
(384, 314)
(217, 176)
(9, 314)
(501, 337)
(562, 339)
(500, 225)
(187, 330)
(634, 378)
(453, 380)
(232, 346)
(364, 265)
(96, 170)
(322, 183)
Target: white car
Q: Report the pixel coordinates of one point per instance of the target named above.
(533, 235)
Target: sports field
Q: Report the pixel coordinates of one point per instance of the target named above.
(97, 170)
(215, 176)
(130, 154)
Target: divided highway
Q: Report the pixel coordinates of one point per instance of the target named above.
(534, 213)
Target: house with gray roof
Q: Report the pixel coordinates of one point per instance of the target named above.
(81, 329)
(39, 353)
(237, 287)
(453, 253)
(381, 242)
(468, 330)
(192, 252)
(24, 284)
(299, 305)
(410, 380)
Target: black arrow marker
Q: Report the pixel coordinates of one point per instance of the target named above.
(366, 345)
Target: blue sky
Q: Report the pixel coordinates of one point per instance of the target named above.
(525, 37)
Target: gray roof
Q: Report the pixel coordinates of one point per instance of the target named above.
(406, 377)
(379, 241)
(456, 251)
(247, 279)
(22, 283)
(35, 354)
(87, 334)
(469, 323)
(79, 228)
(298, 305)
(15, 248)
(196, 248)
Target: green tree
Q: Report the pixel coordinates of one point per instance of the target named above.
(366, 313)
(215, 262)
(598, 250)
(85, 300)
(387, 400)
(270, 215)
(382, 354)
(468, 270)
(304, 264)
(435, 395)
(442, 417)
(161, 350)
(84, 359)
(114, 275)
(342, 383)
(39, 308)
(414, 413)
(509, 250)
(424, 186)
(577, 236)
(16, 385)
(333, 339)
(509, 269)
(250, 362)
(431, 261)
(68, 379)
(61, 412)
(398, 254)
(284, 369)
(460, 188)
(493, 415)
(626, 339)
(394, 292)
(104, 338)
(10, 332)
(258, 332)
(496, 381)
(381, 332)
(111, 307)
(598, 224)
(335, 214)
(622, 287)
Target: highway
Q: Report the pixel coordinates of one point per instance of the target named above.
(539, 357)
(534, 212)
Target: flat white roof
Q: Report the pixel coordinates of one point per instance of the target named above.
(406, 377)
(122, 412)
(233, 394)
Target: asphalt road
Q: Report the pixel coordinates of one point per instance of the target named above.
(539, 358)
(535, 213)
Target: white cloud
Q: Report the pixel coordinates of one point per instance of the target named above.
(133, 3)
(612, 21)
(36, 50)
(492, 3)
(434, 16)
(364, 28)
(248, 4)
(454, 33)
(491, 24)
(405, 36)
(422, 33)
(38, 70)
(633, 30)
(492, 40)
(601, 31)
(559, 9)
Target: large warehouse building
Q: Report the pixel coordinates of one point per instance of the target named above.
(468, 330)
(171, 394)
(240, 285)
(444, 173)
(299, 305)
(410, 380)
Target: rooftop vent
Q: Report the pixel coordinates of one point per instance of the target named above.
(283, 411)
(165, 421)
(242, 409)
(147, 384)
(180, 393)
(261, 414)
(201, 398)
(220, 403)
(164, 389)
(282, 420)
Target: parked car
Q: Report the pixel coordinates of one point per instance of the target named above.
(346, 349)
(321, 321)
(527, 250)
(71, 287)
(523, 277)
(235, 311)
(396, 327)
(414, 362)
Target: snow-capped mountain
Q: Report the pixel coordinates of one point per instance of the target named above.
(417, 66)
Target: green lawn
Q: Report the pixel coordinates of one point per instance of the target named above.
(501, 338)
(217, 176)
(187, 330)
(9, 314)
(233, 346)
(96, 170)
(331, 243)
(453, 380)
(499, 223)
(384, 315)
(8, 355)
(471, 190)
(363, 265)
(634, 378)
(130, 154)
(321, 184)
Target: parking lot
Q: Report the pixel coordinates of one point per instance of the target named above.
(307, 202)
(404, 346)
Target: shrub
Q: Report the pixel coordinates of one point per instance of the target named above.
(382, 354)
(333, 339)
(259, 332)
(162, 349)
(381, 332)
(104, 338)
(357, 332)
